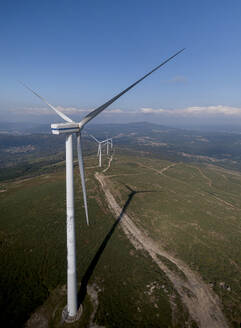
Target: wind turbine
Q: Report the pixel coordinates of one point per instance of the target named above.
(99, 151)
(111, 143)
(108, 143)
(69, 128)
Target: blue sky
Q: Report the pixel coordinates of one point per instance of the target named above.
(78, 54)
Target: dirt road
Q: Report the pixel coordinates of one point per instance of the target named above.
(108, 166)
(202, 303)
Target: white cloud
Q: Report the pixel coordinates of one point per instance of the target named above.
(38, 111)
(72, 110)
(196, 111)
(114, 111)
(152, 111)
(47, 111)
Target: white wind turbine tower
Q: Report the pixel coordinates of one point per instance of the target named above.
(111, 143)
(69, 128)
(107, 147)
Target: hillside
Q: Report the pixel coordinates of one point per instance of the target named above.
(193, 213)
(33, 253)
(177, 188)
(190, 212)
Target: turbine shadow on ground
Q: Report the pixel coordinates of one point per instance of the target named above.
(84, 282)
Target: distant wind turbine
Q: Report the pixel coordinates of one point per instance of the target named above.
(99, 151)
(109, 142)
(69, 129)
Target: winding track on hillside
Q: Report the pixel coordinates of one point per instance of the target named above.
(108, 166)
(209, 181)
(202, 303)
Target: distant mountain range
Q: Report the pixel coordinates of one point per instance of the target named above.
(30, 127)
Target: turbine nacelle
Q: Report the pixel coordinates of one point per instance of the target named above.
(64, 128)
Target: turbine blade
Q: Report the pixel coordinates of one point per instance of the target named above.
(94, 138)
(129, 188)
(95, 112)
(82, 174)
(62, 115)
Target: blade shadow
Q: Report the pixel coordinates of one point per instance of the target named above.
(139, 191)
(84, 282)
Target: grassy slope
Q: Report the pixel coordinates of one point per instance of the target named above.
(33, 257)
(194, 211)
